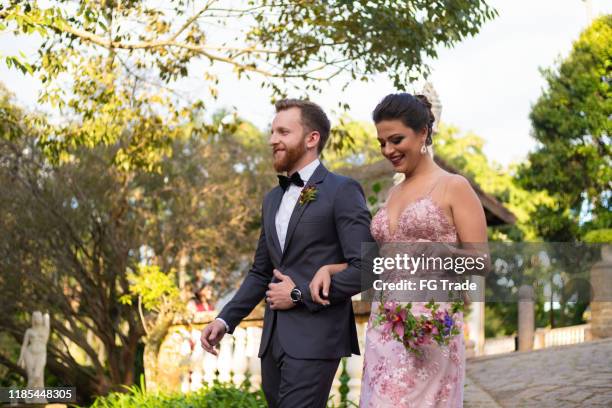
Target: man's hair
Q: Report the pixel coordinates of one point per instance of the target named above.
(313, 117)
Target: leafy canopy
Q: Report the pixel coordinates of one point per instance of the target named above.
(571, 123)
(109, 66)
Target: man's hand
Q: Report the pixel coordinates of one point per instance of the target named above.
(278, 295)
(212, 335)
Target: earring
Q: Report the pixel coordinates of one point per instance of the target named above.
(423, 149)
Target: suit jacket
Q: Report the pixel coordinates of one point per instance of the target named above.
(327, 230)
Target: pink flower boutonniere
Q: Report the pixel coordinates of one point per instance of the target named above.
(309, 193)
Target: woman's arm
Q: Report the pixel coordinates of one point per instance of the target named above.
(321, 281)
(469, 219)
(333, 269)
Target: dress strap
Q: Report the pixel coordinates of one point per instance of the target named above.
(434, 186)
(389, 194)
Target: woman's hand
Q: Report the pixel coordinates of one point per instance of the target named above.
(320, 283)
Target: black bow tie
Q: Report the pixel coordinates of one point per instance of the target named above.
(285, 181)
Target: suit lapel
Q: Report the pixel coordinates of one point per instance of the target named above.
(270, 226)
(316, 178)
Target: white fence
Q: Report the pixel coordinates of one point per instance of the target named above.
(561, 336)
(499, 345)
(543, 338)
(238, 356)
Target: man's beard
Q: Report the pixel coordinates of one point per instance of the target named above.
(291, 156)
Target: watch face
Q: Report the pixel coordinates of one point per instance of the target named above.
(296, 295)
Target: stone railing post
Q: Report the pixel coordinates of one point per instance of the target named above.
(601, 305)
(224, 362)
(354, 367)
(239, 357)
(335, 389)
(253, 341)
(526, 318)
(197, 361)
(210, 368)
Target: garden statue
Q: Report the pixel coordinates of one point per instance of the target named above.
(33, 355)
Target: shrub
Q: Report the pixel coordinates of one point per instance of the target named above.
(219, 395)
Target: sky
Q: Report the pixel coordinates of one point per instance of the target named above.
(487, 83)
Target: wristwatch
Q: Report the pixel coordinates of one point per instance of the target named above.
(296, 295)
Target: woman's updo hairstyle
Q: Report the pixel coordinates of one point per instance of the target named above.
(413, 110)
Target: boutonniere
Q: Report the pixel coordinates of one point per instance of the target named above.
(308, 194)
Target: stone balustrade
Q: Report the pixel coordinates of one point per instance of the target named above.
(542, 338)
(562, 336)
(184, 365)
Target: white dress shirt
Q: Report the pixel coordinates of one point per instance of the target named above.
(288, 202)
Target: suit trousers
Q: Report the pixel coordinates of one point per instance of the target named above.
(288, 382)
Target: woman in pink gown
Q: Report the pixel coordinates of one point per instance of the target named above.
(393, 377)
(429, 205)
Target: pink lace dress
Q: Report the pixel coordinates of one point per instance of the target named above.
(393, 377)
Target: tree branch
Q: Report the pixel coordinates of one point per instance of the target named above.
(13, 367)
(191, 20)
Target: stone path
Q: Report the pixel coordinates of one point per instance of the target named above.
(569, 376)
(475, 396)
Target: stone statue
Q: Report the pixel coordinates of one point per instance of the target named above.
(33, 355)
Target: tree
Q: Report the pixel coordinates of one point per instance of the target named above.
(122, 57)
(159, 304)
(73, 231)
(571, 123)
(465, 152)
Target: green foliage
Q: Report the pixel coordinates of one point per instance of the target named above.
(344, 380)
(122, 58)
(155, 288)
(13, 121)
(465, 153)
(571, 122)
(217, 395)
(158, 295)
(280, 40)
(361, 149)
(603, 236)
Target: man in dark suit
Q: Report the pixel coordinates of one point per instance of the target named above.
(313, 218)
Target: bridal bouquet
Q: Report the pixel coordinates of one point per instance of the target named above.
(412, 331)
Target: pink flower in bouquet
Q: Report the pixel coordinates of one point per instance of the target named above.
(410, 342)
(394, 319)
(428, 327)
(390, 307)
(422, 340)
